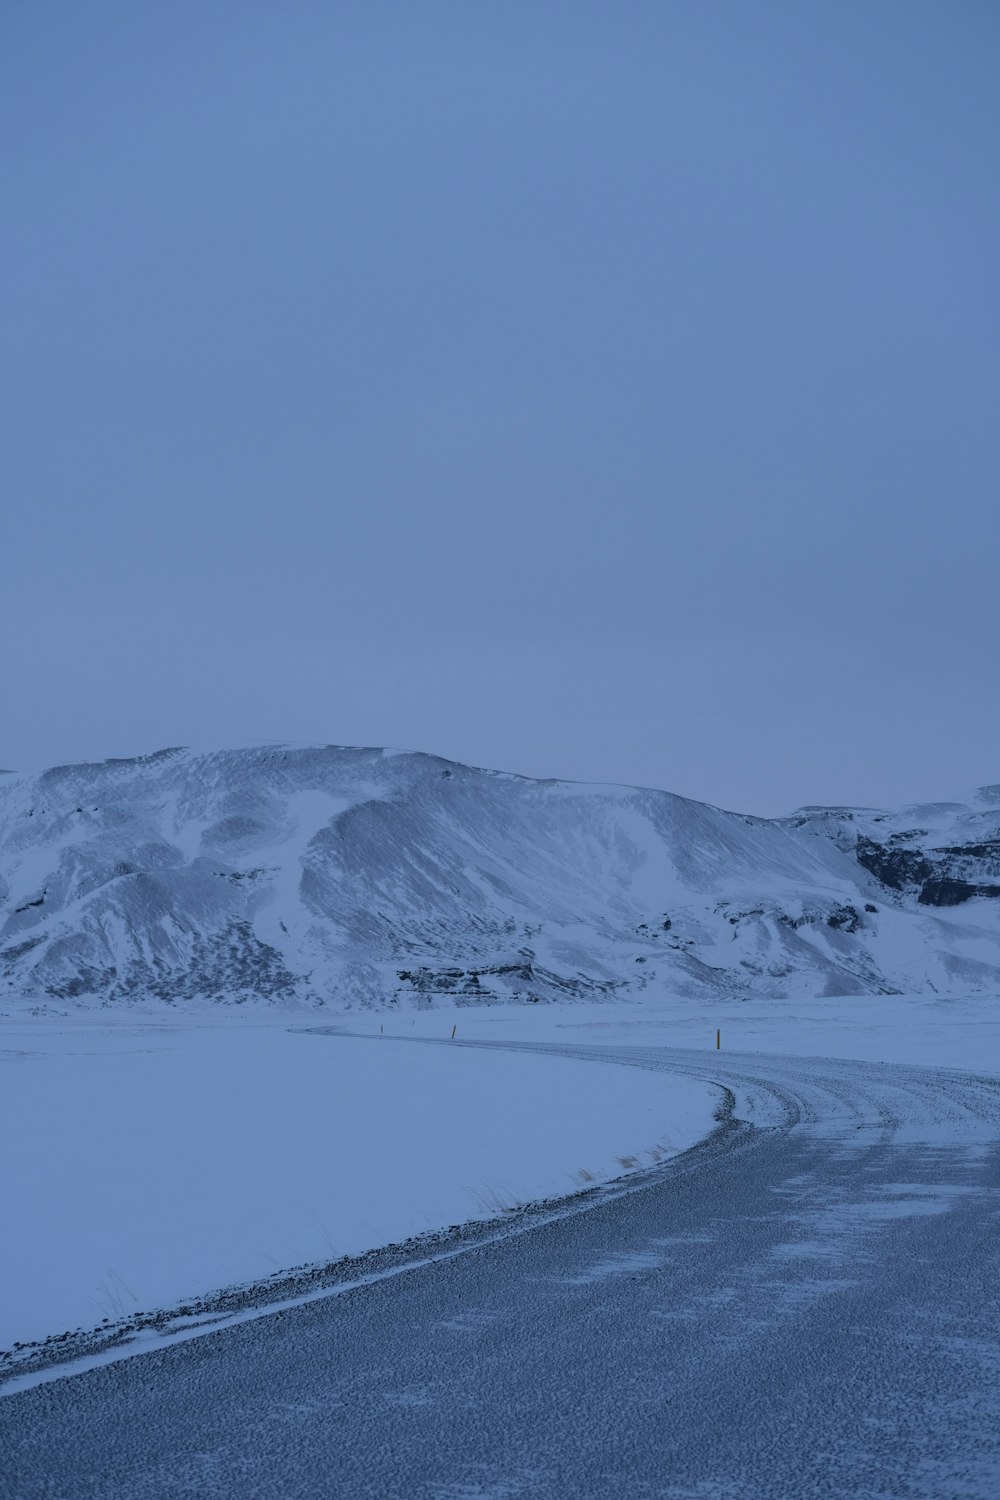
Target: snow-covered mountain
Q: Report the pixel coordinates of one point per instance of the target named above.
(374, 877)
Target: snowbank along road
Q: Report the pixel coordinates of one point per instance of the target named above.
(804, 1306)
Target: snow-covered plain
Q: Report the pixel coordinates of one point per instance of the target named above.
(947, 1030)
(149, 1161)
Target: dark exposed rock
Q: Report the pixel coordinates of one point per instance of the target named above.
(989, 850)
(896, 868)
(844, 919)
(945, 876)
(18, 950)
(466, 983)
(40, 901)
(434, 981)
(946, 892)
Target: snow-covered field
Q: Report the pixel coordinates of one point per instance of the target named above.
(152, 1159)
(955, 1031)
(148, 1161)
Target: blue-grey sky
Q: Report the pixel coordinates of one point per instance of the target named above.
(602, 391)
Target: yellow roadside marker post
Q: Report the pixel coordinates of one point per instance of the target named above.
(718, 1039)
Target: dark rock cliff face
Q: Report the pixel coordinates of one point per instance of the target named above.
(944, 877)
(953, 892)
(896, 868)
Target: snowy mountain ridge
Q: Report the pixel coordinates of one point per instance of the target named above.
(346, 877)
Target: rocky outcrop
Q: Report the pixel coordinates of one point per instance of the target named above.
(946, 876)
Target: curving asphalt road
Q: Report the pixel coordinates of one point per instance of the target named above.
(807, 1306)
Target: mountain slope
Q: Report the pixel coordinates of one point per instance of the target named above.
(362, 876)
